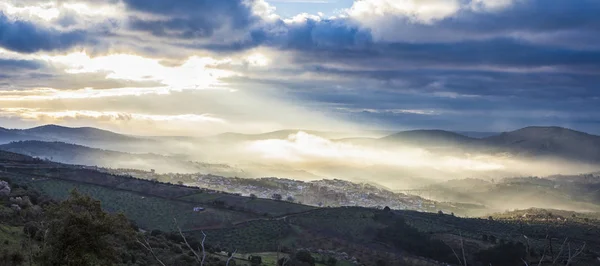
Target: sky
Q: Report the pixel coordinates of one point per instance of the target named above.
(200, 67)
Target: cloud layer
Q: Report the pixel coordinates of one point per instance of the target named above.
(455, 64)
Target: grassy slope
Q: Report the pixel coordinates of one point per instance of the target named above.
(149, 212)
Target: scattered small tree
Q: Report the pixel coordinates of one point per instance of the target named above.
(255, 260)
(277, 196)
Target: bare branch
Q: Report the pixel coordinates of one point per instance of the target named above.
(560, 251)
(462, 246)
(575, 255)
(285, 261)
(230, 257)
(203, 250)
(456, 255)
(526, 264)
(149, 248)
(526, 246)
(543, 252)
(187, 244)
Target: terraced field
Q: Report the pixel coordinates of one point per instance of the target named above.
(265, 207)
(148, 211)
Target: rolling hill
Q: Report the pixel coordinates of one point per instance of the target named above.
(428, 138)
(82, 155)
(535, 141)
(280, 134)
(546, 142)
(549, 142)
(79, 135)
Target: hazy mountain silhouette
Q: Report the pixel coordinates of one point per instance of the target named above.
(536, 141)
(549, 142)
(61, 133)
(279, 134)
(82, 155)
(430, 138)
(78, 133)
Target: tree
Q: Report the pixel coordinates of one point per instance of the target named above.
(81, 233)
(290, 199)
(507, 254)
(255, 260)
(305, 257)
(252, 196)
(386, 209)
(277, 196)
(331, 261)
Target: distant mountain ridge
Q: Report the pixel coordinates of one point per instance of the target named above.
(429, 137)
(549, 141)
(83, 155)
(536, 141)
(61, 133)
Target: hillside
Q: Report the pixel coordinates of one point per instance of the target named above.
(261, 225)
(81, 133)
(82, 155)
(280, 134)
(430, 139)
(10, 135)
(529, 142)
(549, 142)
(60, 133)
(579, 193)
(542, 142)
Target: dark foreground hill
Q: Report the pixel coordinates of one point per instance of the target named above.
(250, 225)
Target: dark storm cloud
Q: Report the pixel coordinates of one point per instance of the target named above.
(7, 65)
(532, 15)
(26, 37)
(535, 58)
(26, 74)
(311, 35)
(190, 18)
(325, 34)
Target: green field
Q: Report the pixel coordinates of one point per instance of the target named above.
(263, 207)
(149, 212)
(253, 236)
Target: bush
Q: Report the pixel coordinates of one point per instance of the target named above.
(508, 254)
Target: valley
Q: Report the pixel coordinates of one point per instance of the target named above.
(356, 222)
